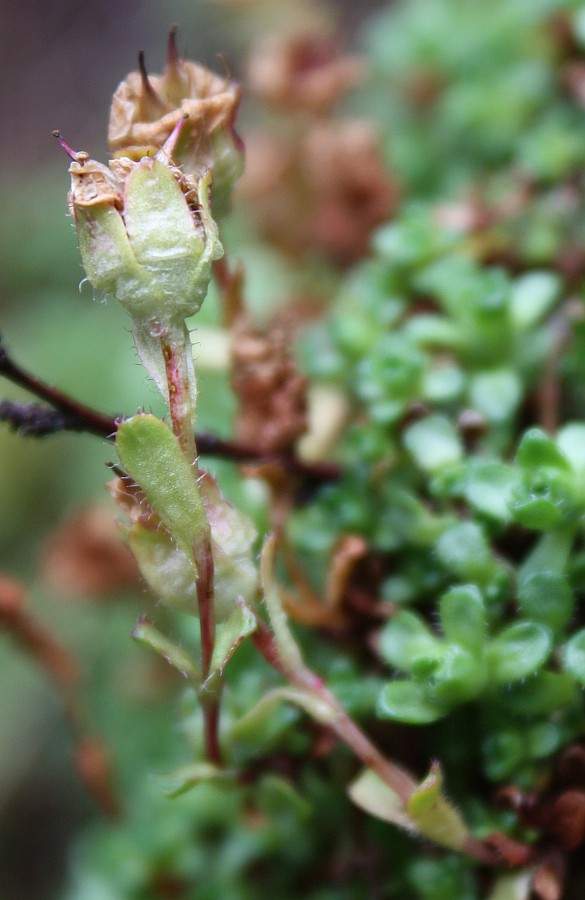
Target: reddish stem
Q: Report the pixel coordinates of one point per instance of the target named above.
(205, 600)
(174, 354)
(210, 699)
(353, 737)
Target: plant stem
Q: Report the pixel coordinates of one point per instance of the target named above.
(176, 350)
(35, 420)
(176, 346)
(82, 418)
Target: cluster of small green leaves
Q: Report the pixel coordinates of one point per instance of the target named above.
(441, 355)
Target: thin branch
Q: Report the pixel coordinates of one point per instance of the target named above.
(80, 417)
(68, 414)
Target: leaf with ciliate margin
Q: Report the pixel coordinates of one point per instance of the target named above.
(427, 812)
(229, 635)
(152, 456)
(147, 634)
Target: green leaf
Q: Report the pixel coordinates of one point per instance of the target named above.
(288, 650)
(457, 677)
(189, 777)
(464, 550)
(433, 442)
(518, 651)
(152, 456)
(517, 886)
(574, 656)
(543, 739)
(233, 536)
(539, 513)
(406, 701)
(550, 553)
(503, 752)
(229, 635)
(427, 812)
(537, 450)
(165, 567)
(533, 294)
(147, 634)
(405, 639)
(488, 487)
(571, 443)
(539, 695)
(316, 707)
(546, 597)
(495, 394)
(433, 816)
(373, 795)
(463, 618)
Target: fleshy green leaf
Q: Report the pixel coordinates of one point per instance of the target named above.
(464, 550)
(571, 442)
(488, 487)
(433, 442)
(537, 450)
(495, 394)
(457, 677)
(546, 597)
(574, 656)
(518, 651)
(152, 456)
(433, 816)
(533, 294)
(463, 618)
(165, 567)
(373, 795)
(407, 702)
(407, 638)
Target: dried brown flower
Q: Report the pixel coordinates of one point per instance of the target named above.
(85, 556)
(323, 195)
(302, 71)
(272, 410)
(146, 109)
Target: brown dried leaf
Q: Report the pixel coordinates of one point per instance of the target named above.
(272, 411)
(86, 556)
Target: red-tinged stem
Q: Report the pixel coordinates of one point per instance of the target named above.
(205, 601)
(344, 727)
(31, 420)
(174, 349)
(211, 732)
(400, 781)
(210, 698)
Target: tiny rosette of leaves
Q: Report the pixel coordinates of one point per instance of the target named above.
(465, 663)
(550, 493)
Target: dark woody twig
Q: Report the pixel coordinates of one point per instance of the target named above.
(66, 414)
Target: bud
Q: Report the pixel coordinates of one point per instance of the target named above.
(146, 234)
(146, 109)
